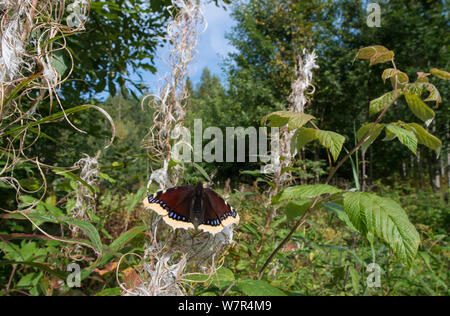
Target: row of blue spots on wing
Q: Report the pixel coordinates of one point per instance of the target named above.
(233, 213)
(163, 205)
(212, 222)
(178, 217)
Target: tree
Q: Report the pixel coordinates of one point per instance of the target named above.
(269, 34)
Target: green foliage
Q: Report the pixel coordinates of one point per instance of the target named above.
(385, 219)
(307, 191)
(368, 214)
(281, 118)
(401, 225)
(121, 38)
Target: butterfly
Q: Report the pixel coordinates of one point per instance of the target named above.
(192, 207)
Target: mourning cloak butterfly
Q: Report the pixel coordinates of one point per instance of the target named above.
(192, 207)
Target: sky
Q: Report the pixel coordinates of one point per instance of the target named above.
(211, 50)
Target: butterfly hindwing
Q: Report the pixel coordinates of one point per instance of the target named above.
(217, 213)
(173, 205)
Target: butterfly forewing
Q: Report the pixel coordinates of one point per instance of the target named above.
(173, 205)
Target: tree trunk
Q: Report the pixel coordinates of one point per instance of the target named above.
(433, 172)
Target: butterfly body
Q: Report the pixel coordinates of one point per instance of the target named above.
(192, 207)
(197, 206)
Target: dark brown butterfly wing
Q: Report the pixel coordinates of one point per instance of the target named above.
(217, 213)
(173, 205)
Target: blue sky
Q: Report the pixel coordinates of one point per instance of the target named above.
(212, 48)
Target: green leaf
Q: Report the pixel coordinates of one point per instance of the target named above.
(276, 119)
(86, 227)
(374, 133)
(106, 177)
(388, 73)
(137, 199)
(381, 57)
(302, 137)
(425, 138)
(202, 171)
(296, 208)
(58, 115)
(223, 278)
(126, 237)
(258, 288)
(382, 102)
(418, 88)
(354, 274)
(298, 120)
(307, 191)
(332, 141)
(59, 62)
(281, 118)
(399, 80)
(338, 210)
(385, 219)
(406, 137)
(369, 52)
(49, 118)
(419, 108)
(29, 280)
(440, 73)
(73, 176)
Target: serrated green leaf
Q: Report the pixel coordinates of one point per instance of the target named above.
(302, 137)
(29, 280)
(338, 210)
(382, 102)
(419, 108)
(425, 138)
(300, 192)
(332, 141)
(298, 120)
(276, 119)
(385, 219)
(281, 118)
(406, 137)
